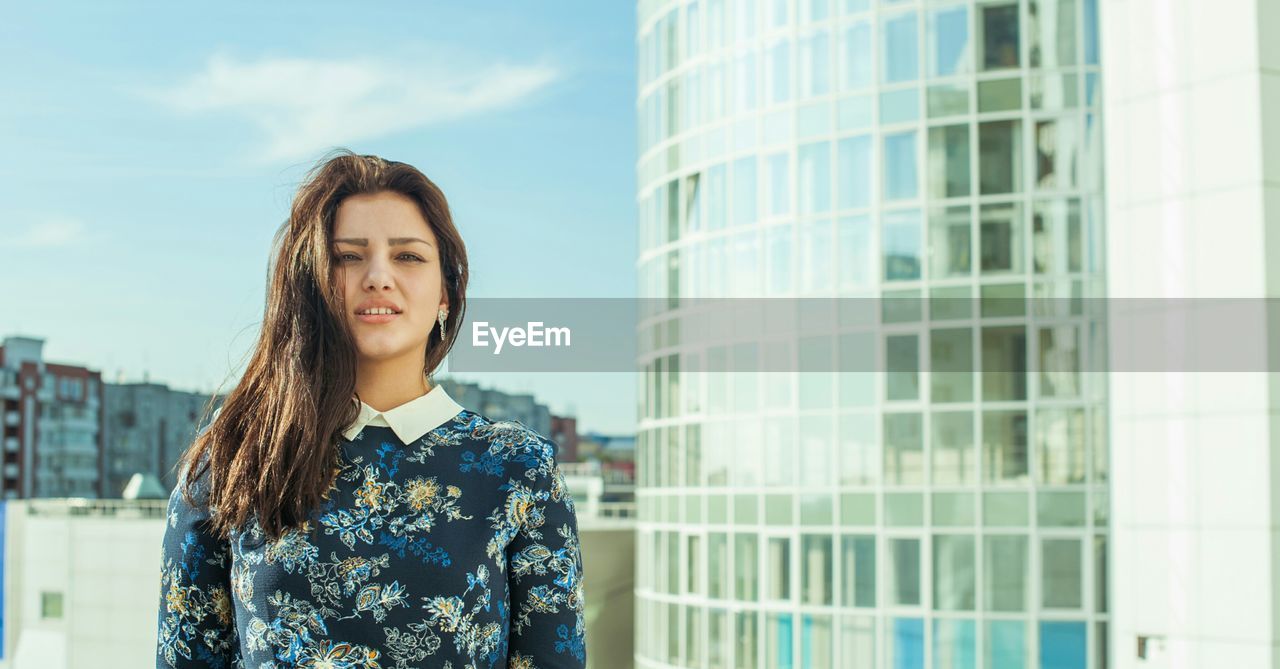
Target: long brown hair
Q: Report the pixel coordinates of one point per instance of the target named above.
(269, 452)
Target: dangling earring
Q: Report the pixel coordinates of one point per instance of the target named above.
(444, 313)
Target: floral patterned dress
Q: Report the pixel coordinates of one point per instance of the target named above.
(457, 551)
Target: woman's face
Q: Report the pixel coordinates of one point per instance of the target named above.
(386, 255)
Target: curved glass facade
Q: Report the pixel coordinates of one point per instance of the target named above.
(943, 150)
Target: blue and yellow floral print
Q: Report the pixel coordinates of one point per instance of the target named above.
(457, 551)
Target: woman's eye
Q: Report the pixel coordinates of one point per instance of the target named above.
(342, 257)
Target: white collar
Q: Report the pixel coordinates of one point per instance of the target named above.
(411, 420)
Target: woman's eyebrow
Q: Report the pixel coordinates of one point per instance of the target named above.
(394, 241)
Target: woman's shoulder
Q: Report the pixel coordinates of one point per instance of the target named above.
(510, 437)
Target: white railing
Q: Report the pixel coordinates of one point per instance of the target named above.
(615, 509)
(79, 506)
(618, 477)
(156, 508)
(579, 468)
(613, 476)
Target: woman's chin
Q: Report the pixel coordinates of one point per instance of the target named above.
(381, 351)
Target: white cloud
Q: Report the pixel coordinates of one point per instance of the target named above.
(307, 105)
(53, 232)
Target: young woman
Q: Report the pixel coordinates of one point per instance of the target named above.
(341, 510)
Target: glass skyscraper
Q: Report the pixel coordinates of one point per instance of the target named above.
(950, 511)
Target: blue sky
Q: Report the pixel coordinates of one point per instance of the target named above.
(151, 150)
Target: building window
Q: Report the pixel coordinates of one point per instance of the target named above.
(1006, 572)
(855, 56)
(903, 449)
(1062, 574)
(903, 567)
(900, 106)
(778, 70)
(900, 58)
(717, 565)
(858, 556)
(853, 169)
(902, 378)
(1006, 643)
(949, 161)
(905, 646)
(1062, 644)
(50, 605)
(1057, 154)
(1005, 446)
(744, 191)
(954, 643)
(1000, 158)
(815, 69)
(778, 639)
(954, 573)
(999, 27)
(953, 449)
(718, 636)
(815, 178)
(948, 41)
(900, 239)
(900, 177)
(745, 565)
(816, 565)
(779, 569)
(1000, 239)
(747, 655)
(951, 358)
(1052, 40)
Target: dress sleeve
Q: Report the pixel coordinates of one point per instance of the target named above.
(547, 628)
(197, 620)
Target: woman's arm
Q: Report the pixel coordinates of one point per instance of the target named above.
(545, 563)
(197, 619)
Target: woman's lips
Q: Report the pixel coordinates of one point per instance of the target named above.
(377, 318)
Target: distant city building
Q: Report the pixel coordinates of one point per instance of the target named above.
(499, 405)
(95, 606)
(615, 451)
(147, 428)
(564, 431)
(612, 447)
(615, 458)
(52, 432)
(82, 580)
